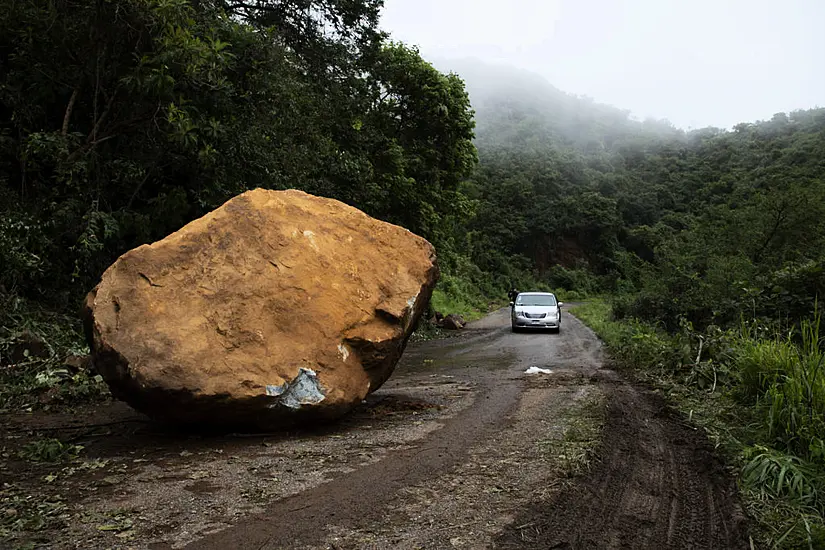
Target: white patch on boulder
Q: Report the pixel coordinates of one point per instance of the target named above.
(311, 236)
(538, 370)
(342, 349)
(274, 391)
(304, 390)
(408, 314)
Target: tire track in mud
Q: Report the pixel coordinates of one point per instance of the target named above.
(354, 499)
(658, 485)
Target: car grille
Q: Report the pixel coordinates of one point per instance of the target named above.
(535, 315)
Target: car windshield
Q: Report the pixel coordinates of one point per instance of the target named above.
(535, 300)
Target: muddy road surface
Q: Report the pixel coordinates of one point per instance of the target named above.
(460, 449)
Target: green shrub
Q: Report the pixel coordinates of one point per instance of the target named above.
(788, 291)
(22, 243)
(581, 281)
(570, 295)
(24, 384)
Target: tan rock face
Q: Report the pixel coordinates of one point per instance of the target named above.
(278, 307)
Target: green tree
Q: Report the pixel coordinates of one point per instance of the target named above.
(120, 122)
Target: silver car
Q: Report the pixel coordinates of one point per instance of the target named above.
(536, 310)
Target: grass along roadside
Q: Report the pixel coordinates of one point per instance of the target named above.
(468, 306)
(759, 397)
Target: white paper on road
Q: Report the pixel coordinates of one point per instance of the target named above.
(537, 370)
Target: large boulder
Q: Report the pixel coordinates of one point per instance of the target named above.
(278, 307)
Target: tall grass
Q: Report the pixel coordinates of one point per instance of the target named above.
(797, 399)
(786, 379)
(782, 378)
(779, 474)
(759, 364)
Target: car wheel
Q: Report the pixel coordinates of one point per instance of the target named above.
(513, 328)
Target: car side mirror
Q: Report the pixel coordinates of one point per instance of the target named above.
(512, 304)
(561, 304)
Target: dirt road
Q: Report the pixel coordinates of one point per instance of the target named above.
(460, 449)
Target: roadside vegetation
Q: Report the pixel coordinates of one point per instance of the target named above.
(455, 294)
(760, 396)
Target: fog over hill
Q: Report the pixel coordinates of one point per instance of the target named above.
(513, 105)
(699, 63)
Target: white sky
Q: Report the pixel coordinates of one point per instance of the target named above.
(695, 62)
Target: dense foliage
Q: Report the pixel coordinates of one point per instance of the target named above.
(121, 121)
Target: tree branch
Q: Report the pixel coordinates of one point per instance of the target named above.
(137, 190)
(779, 219)
(92, 137)
(69, 108)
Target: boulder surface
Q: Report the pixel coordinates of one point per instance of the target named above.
(277, 308)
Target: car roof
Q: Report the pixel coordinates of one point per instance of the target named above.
(538, 293)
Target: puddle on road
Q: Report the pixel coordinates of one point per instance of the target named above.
(442, 361)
